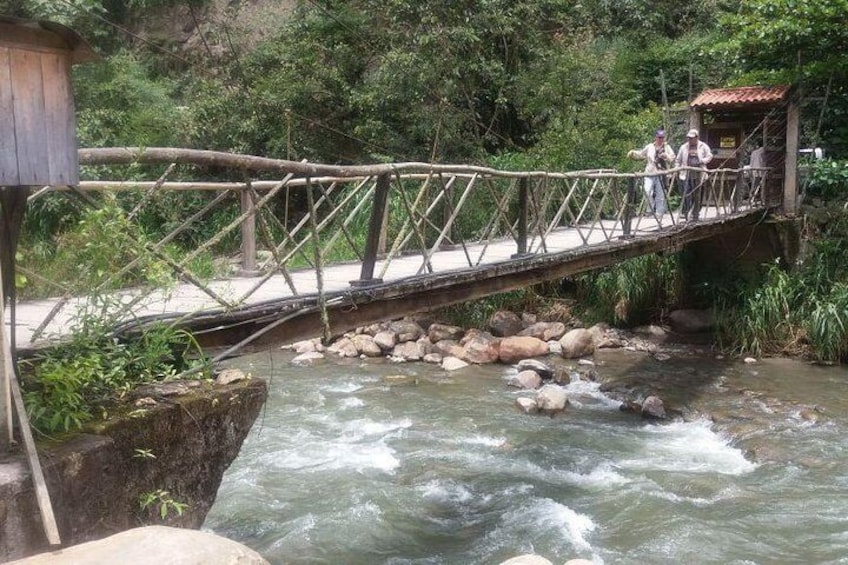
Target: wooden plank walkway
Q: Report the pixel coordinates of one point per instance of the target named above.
(186, 299)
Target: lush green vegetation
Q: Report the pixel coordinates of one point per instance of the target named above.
(66, 387)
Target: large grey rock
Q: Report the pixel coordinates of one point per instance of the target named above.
(543, 369)
(516, 348)
(480, 350)
(406, 330)
(386, 340)
(152, 545)
(228, 376)
(344, 347)
(551, 399)
(453, 363)
(546, 331)
(526, 405)
(366, 345)
(653, 408)
(525, 379)
(448, 347)
(577, 343)
(438, 332)
(408, 350)
(504, 323)
(691, 321)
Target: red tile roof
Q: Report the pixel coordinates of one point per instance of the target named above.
(740, 96)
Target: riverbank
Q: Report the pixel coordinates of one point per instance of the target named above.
(158, 461)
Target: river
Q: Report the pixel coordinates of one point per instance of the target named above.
(344, 467)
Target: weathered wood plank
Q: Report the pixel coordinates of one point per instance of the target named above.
(63, 162)
(30, 126)
(8, 150)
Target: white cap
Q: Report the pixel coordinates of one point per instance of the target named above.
(692, 133)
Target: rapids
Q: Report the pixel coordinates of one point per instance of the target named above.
(343, 467)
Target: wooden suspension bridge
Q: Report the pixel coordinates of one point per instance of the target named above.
(377, 242)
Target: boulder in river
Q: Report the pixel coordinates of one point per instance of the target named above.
(551, 399)
(653, 408)
(504, 323)
(480, 350)
(526, 379)
(526, 405)
(386, 340)
(577, 343)
(543, 369)
(515, 348)
(438, 332)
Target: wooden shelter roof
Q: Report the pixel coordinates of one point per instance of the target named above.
(46, 35)
(741, 96)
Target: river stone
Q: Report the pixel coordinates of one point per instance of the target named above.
(543, 369)
(434, 358)
(406, 330)
(438, 332)
(366, 345)
(408, 350)
(307, 358)
(653, 407)
(480, 350)
(425, 345)
(453, 363)
(515, 348)
(551, 399)
(228, 376)
(546, 331)
(473, 333)
(504, 323)
(577, 343)
(525, 379)
(448, 348)
(691, 321)
(527, 559)
(528, 319)
(344, 347)
(526, 405)
(305, 346)
(153, 544)
(386, 340)
(554, 347)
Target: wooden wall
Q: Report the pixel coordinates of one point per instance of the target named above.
(37, 126)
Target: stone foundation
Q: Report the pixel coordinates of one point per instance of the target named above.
(96, 479)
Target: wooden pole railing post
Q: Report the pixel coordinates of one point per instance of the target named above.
(629, 204)
(521, 241)
(375, 227)
(248, 233)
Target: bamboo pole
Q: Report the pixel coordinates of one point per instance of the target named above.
(45, 508)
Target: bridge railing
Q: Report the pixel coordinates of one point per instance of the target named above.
(385, 221)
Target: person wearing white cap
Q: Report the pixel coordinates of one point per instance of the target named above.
(693, 153)
(659, 156)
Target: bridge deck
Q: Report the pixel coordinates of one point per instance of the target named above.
(404, 276)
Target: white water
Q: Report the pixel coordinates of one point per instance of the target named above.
(344, 469)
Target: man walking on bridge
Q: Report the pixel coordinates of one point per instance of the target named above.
(693, 153)
(660, 156)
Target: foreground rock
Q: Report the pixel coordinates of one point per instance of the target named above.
(153, 545)
(95, 479)
(551, 399)
(577, 343)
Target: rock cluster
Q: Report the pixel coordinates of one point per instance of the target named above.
(508, 338)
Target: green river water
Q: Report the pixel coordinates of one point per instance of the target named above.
(342, 468)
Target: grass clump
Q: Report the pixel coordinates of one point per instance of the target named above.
(69, 385)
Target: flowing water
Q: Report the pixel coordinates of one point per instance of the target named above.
(346, 466)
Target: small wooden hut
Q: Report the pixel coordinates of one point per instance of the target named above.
(759, 121)
(37, 125)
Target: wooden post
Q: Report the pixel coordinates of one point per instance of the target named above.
(48, 520)
(790, 176)
(248, 233)
(521, 242)
(384, 232)
(629, 203)
(375, 226)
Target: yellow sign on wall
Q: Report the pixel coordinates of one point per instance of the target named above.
(727, 142)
